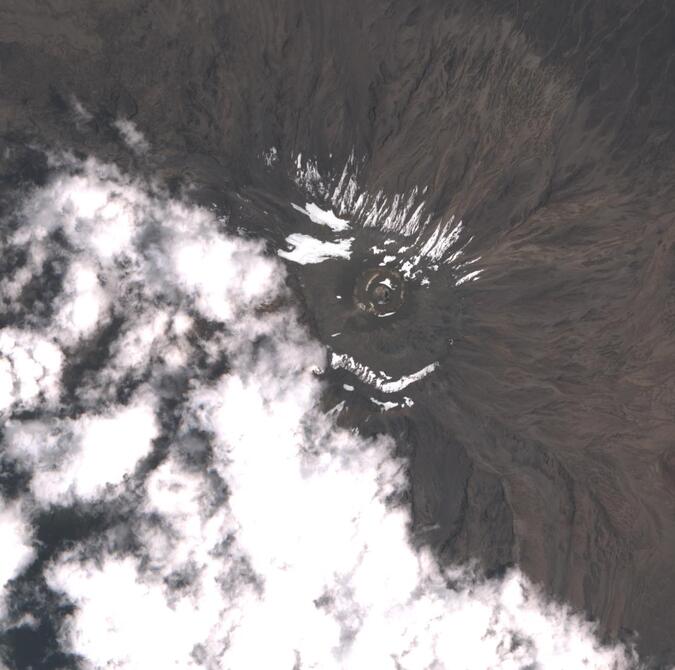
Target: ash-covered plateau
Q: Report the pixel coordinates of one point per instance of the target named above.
(337, 335)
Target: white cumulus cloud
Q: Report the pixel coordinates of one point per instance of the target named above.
(78, 459)
(16, 542)
(30, 367)
(265, 536)
(132, 136)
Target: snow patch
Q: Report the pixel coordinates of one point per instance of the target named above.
(376, 378)
(471, 276)
(307, 250)
(323, 217)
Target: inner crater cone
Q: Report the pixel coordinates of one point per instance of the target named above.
(379, 291)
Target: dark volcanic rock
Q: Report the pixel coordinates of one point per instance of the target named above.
(546, 439)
